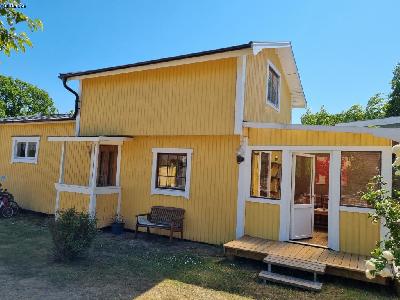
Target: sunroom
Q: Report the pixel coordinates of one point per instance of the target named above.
(89, 175)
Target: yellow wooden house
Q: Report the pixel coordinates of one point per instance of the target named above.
(209, 132)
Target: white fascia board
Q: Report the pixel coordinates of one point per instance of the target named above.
(389, 133)
(99, 139)
(166, 64)
(259, 46)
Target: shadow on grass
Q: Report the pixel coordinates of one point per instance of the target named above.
(122, 267)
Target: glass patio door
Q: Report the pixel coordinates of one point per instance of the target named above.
(302, 208)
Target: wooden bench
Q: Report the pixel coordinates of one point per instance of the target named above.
(293, 263)
(169, 218)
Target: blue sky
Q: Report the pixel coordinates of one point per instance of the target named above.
(345, 50)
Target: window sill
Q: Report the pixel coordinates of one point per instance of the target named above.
(263, 200)
(277, 109)
(24, 160)
(170, 192)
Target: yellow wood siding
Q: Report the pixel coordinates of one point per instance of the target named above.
(106, 209)
(195, 99)
(33, 184)
(262, 220)
(74, 200)
(357, 233)
(256, 107)
(77, 163)
(280, 137)
(211, 208)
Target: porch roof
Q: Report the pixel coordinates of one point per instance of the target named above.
(388, 133)
(98, 139)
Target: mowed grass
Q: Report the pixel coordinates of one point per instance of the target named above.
(149, 267)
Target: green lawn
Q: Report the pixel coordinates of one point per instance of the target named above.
(149, 268)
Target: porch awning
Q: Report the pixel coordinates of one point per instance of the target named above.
(98, 139)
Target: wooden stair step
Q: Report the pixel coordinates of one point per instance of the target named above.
(293, 281)
(296, 263)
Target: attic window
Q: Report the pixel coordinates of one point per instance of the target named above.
(273, 86)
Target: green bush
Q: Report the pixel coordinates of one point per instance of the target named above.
(73, 233)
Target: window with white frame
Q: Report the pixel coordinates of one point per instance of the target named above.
(171, 171)
(266, 173)
(25, 149)
(273, 86)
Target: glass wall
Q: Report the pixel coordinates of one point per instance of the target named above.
(357, 170)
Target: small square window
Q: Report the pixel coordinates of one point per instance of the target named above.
(273, 86)
(25, 149)
(171, 172)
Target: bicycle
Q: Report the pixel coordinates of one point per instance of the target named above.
(8, 206)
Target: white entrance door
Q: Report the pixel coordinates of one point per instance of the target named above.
(302, 208)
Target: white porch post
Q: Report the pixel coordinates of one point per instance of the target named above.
(61, 177)
(334, 201)
(387, 177)
(286, 195)
(118, 179)
(93, 177)
(243, 179)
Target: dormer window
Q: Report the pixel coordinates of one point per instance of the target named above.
(273, 86)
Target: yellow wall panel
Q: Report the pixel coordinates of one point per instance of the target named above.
(106, 209)
(211, 208)
(193, 99)
(357, 233)
(33, 184)
(262, 220)
(256, 107)
(77, 163)
(283, 137)
(74, 200)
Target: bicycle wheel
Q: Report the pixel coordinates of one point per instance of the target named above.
(15, 207)
(7, 212)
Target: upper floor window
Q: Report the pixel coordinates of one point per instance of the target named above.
(25, 149)
(273, 86)
(171, 171)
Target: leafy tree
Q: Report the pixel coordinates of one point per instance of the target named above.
(19, 98)
(394, 96)
(375, 109)
(11, 37)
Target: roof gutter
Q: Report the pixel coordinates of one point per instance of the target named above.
(77, 100)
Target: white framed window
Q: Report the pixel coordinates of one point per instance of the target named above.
(266, 174)
(25, 149)
(273, 86)
(171, 171)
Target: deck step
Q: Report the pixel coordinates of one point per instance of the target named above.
(293, 281)
(296, 263)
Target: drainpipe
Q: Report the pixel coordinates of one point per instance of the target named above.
(64, 80)
(76, 114)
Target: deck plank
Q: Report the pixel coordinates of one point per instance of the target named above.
(338, 263)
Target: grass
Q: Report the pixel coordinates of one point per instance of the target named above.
(147, 268)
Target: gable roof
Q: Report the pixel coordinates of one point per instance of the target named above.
(283, 49)
(37, 118)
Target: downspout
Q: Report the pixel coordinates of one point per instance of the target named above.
(76, 114)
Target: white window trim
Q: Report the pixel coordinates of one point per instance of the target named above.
(171, 192)
(271, 65)
(27, 139)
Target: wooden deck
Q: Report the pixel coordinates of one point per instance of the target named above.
(337, 263)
